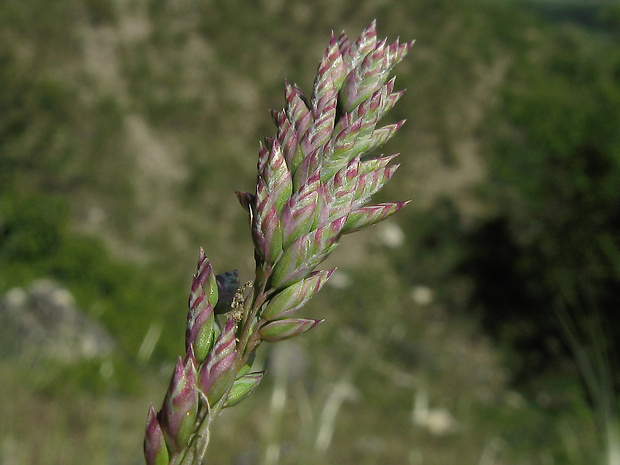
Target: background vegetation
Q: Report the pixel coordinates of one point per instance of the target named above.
(126, 126)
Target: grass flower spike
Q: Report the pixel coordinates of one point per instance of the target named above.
(315, 180)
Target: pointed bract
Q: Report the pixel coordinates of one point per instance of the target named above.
(216, 377)
(200, 319)
(281, 330)
(243, 387)
(178, 413)
(216, 371)
(366, 216)
(370, 183)
(200, 334)
(205, 279)
(295, 296)
(276, 175)
(155, 451)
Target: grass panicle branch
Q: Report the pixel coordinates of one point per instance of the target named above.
(315, 180)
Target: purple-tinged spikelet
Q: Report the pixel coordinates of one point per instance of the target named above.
(155, 450)
(200, 318)
(281, 330)
(180, 408)
(216, 371)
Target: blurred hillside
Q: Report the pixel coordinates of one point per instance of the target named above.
(127, 125)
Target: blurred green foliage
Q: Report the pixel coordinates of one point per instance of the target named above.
(35, 242)
(553, 240)
(548, 237)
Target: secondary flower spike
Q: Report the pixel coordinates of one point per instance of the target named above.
(316, 178)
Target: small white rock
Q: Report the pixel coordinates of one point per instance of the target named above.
(422, 295)
(390, 235)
